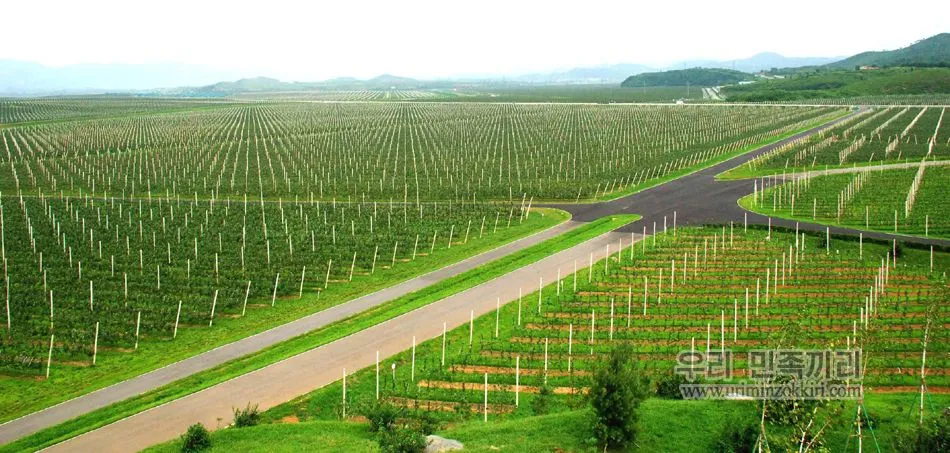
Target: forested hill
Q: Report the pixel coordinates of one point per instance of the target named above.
(705, 77)
(931, 52)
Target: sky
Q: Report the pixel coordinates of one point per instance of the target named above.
(316, 40)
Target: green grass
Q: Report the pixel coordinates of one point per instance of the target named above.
(665, 425)
(318, 337)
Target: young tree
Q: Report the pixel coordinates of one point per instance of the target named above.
(617, 389)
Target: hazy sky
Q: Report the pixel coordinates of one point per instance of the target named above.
(311, 40)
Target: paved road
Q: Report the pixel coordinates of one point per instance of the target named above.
(696, 199)
(36, 421)
(298, 375)
(700, 199)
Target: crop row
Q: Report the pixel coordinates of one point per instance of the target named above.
(382, 151)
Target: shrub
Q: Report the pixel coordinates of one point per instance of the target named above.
(617, 389)
(737, 437)
(668, 386)
(427, 423)
(195, 439)
(381, 415)
(541, 403)
(402, 440)
(249, 416)
(933, 435)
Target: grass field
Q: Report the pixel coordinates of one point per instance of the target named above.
(666, 425)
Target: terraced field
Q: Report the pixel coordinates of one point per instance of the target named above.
(702, 289)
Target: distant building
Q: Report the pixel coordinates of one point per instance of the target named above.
(868, 68)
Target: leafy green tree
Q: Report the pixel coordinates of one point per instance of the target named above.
(617, 389)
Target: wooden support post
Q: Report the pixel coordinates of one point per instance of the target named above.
(214, 304)
(49, 358)
(138, 323)
(95, 344)
(485, 406)
(177, 318)
(517, 378)
(273, 297)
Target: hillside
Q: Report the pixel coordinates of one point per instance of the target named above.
(841, 84)
(931, 52)
(763, 61)
(267, 84)
(706, 77)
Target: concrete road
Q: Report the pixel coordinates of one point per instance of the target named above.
(303, 373)
(54, 415)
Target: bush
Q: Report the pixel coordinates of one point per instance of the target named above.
(737, 437)
(195, 439)
(381, 415)
(668, 386)
(427, 423)
(934, 435)
(541, 403)
(402, 440)
(617, 389)
(249, 416)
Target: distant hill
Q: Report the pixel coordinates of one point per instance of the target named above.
(267, 84)
(760, 62)
(705, 77)
(615, 73)
(843, 84)
(22, 77)
(931, 52)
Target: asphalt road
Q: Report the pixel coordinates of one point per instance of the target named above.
(700, 199)
(696, 199)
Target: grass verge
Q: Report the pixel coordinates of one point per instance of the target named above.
(409, 302)
(665, 425)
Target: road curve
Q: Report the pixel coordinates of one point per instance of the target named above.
(700, 199)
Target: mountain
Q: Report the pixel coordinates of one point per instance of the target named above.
(759, 62)
(931, 52)
(589, 74)
(21, 77)
(705, 77)
(267, 84)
